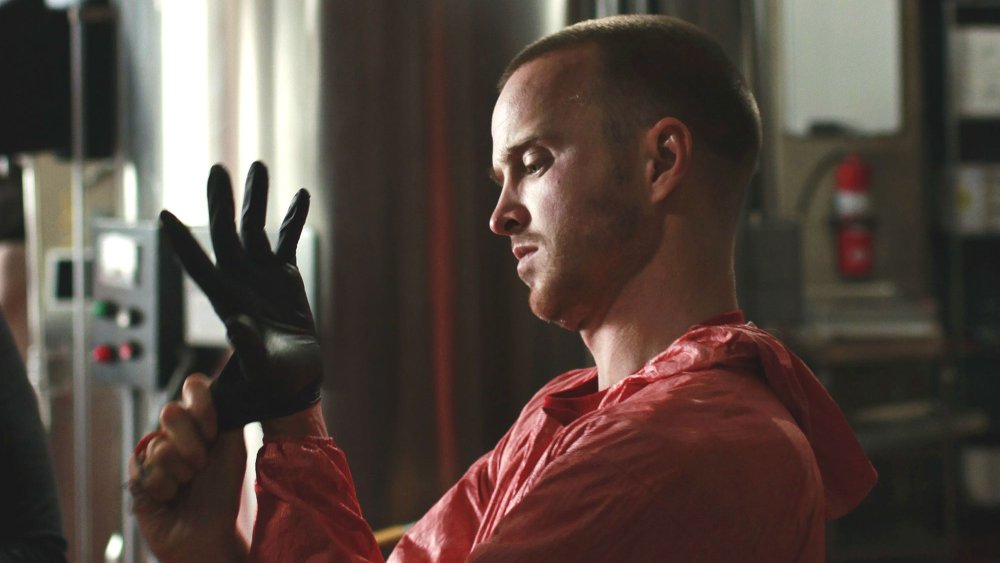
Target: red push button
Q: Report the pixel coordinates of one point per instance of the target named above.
(103, 353)
(129, 350)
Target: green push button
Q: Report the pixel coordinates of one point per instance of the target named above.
(103, 309)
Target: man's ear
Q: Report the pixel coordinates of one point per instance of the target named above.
(668, 147)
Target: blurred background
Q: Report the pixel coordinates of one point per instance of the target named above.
(869, 242)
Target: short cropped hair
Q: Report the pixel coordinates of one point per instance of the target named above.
(658, 66)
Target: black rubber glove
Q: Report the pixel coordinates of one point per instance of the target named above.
(276, 368)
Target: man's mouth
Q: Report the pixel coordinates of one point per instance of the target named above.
(523, 250)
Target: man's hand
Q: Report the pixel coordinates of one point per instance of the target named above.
(186, 480)
(259, 295)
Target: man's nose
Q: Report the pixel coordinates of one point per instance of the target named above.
(510, 216)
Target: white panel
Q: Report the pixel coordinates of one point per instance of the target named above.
(840, 65)
(978, 66)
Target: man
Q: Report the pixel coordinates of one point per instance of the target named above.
(622, 147)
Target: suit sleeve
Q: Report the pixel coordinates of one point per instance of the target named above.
(307, 509)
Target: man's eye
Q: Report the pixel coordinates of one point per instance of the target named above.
(535, 166)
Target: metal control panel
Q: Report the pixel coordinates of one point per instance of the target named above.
(137, 325)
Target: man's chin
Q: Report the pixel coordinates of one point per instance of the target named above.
(552, 311)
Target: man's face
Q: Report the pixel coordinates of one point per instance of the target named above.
(574, 207)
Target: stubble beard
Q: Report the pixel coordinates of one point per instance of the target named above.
(553, 297)
(583, 275)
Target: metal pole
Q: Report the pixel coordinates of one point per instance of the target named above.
(130, 534)
(37, 361)
(81, 388)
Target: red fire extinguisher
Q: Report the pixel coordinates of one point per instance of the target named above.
(853, 219)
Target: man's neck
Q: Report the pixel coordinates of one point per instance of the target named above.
(656, 307)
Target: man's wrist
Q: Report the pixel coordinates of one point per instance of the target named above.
(305, 423)
(232, 549)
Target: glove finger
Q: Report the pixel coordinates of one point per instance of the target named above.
(291, 227)
(254, 214)
(248, 344)
(196, 262)
(222, 219)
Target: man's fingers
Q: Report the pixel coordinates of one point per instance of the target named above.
(254, 214)
(148, 478)
(196, 397)
(291, 227)
(222, 219)
(183, 436)
(165, 458)
(196, 262)
(158, 485)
